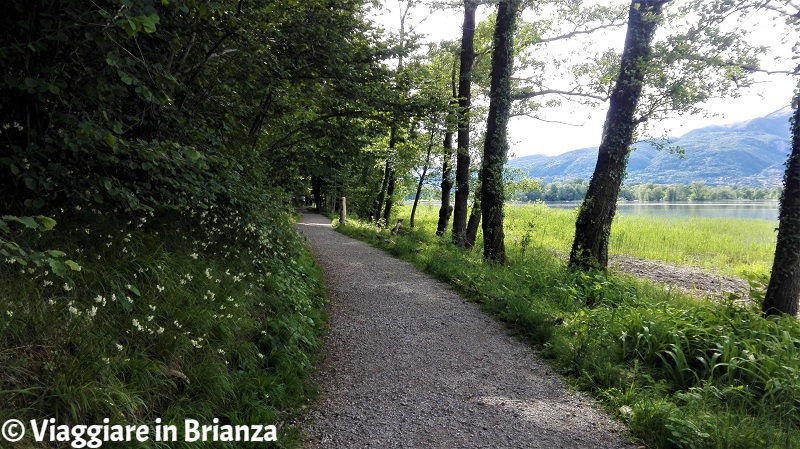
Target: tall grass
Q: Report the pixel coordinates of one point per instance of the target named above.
(729, 246)
(681, 373)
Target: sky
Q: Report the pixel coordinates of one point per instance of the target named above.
(570, 127)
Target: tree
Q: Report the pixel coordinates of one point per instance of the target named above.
(446, 209)
(593, 226)
(674, 75)
(476, 44)
(423, 173)
(783, 291)
(495, 149)
(390, 173)
(464, 103)
(418, 96)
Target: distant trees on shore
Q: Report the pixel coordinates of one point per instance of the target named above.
(575, 190)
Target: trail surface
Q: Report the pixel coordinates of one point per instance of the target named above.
(409, 363)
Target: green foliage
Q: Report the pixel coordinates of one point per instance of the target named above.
(696, 60)
(681, 373)
(13, 253)
(168, 103)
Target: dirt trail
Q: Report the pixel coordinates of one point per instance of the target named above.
(409, 363)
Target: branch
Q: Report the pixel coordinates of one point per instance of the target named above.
(752, 69)
(745, 67)
(524, 95)
(777, 9)
(199, 66)
(577, 125)
(579, 32)
(223, 53)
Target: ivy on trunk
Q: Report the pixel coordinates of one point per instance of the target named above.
(784, 283)
(495, 150)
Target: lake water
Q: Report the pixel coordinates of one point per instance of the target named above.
(757, 210)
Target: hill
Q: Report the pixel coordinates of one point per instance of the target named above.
(745, 153)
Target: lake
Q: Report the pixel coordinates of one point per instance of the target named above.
(756, 210)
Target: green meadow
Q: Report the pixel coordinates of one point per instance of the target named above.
(736, 247)
(680, 371)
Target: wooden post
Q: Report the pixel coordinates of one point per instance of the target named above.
(343, 211)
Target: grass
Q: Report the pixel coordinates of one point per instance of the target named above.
(682, 373)
(730, 246)
(200, 315)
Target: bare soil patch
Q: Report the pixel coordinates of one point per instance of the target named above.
(687, 279)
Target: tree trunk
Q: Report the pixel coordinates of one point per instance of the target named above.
(382, 194)
(474, 220)
(447, 184)
(495, 150)
(783, 291)
(387, 212)
(421, 180)
(464, 103)
(593, 226)
(446, 210)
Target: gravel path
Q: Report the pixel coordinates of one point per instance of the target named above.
(409, 363)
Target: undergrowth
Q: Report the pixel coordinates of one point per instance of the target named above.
(193, 314)
(680, 372)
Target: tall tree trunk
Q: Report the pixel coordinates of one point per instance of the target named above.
(390, 176)
(447, 184)
(783, 291)
(495, 150)
(593, 226)
(464, 103)
(446, 210)
(382, 194)
(387, 212)
(474, 219)
(421, 180)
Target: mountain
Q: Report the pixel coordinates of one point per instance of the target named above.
(745, 153)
